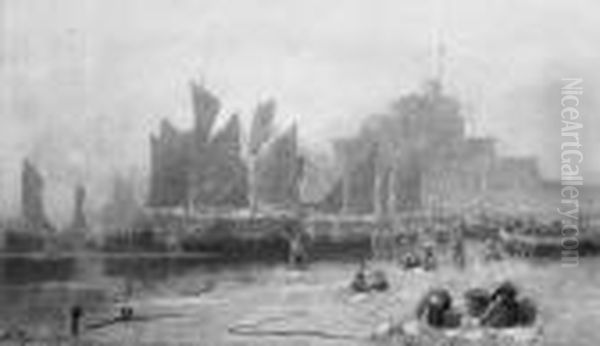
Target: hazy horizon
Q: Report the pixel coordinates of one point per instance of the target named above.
(84, 82)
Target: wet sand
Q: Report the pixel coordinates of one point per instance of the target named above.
(317, 301)
(314, 307)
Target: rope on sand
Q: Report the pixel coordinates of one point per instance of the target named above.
(256, 329)
(376, 310)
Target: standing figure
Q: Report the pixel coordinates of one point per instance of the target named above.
(76, 314)
(429, 259)
(297, 254)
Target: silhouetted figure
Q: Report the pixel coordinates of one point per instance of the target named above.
(429, 259)
(126, 313)
(298, 257)
(76, 316)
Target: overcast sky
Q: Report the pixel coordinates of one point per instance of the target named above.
(83, 82)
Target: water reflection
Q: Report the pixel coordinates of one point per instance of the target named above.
(22, 270)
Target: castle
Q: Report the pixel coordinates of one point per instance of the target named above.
(418, 157)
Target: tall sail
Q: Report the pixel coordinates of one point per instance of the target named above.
(79, 221)
(260, 132)
(332, 202)
(206, 107)
(32, 197)
(223, 182)
(278, 171)
(191, 169)
(261, 127)
(362, 184)
(154, 192)
(170, 167)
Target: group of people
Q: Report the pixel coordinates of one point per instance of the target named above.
(427, 261)
(366, 280)
(501, 308)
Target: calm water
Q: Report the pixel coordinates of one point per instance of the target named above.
(38, 295)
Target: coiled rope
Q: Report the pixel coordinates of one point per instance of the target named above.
(258, 328)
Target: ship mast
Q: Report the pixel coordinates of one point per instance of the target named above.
(438, 59)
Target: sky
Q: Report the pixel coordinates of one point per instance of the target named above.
(84, 82)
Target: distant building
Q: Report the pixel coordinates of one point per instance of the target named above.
(514, 173)
(419, 157)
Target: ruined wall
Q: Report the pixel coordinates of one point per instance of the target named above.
(457, 174)
(510, 173)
